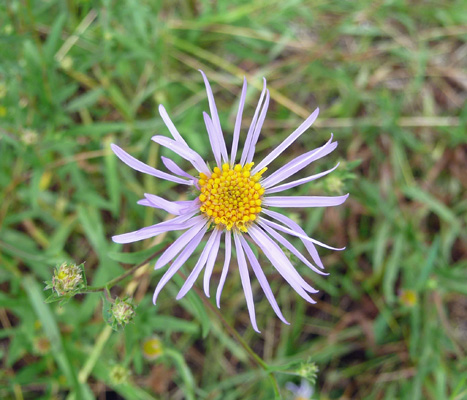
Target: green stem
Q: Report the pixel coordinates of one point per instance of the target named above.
(113, 282)
(261, 363)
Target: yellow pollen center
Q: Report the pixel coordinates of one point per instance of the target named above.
(231, 197)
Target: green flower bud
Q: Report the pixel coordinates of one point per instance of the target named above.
(122, 311)
(119, 374)
(308, 370)
(66, 279)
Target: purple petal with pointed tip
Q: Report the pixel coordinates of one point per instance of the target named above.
(175, 169)
(290, 185)
(179, 244)
(225, 269)
(199, 265)
(181, 259)
(142, 167)
(183, 151)
(259, 125)
(245, 278)
(293, 225)
(238, 124)
(171, 126)
(174, 224)
(251, 130)
(215, 118)
(210, 263)
(304, 201)
(216, 150)
(289, 246)
(287, 142)
(298, 164)
(279, 260)
(169, 206)
(262, 280)
(299, 235)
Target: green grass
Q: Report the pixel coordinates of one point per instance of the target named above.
(389, 78)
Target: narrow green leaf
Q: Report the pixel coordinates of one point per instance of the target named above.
(49, 324)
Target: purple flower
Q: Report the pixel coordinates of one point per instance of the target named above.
(233, 203)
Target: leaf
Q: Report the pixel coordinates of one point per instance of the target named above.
(392, 269)
(49, 324)
(51, 45)
(86, 100)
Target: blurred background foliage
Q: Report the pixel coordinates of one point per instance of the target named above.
(390, 79)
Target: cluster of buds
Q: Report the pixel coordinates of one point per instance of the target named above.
(122, 311)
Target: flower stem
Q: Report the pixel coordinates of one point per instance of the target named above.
(258, 360)
(113, 282)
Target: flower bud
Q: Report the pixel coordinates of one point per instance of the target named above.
(119, 374)
(152, 348)
(66, 279)
(122, 311)
(308, 370)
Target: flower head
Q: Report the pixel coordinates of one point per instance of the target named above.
(233, 201)
(304, 391)
(67, 278)
(122, 311)
(152, 348)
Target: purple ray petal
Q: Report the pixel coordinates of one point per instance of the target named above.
(210, 263)
(225, 269)
(245, 278)
(289, 246)
(251, 130)
(174, 224)
(277, 257)
(216, 150)
(169, 206)
(299, 235)
(186, 207)
(297, 228)
(259, 125)
(171, 126)
(262, 280)
(238, 124)
(199, 265)
(287, 142)
(304, 201)
(298, 164)
(175, 169)
(146, 203)
(215, 118)
(299, 182)
(179, 244)
(183, 151)
(181, 259)
(142, 167)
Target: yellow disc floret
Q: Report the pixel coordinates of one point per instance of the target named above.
(231, 196)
